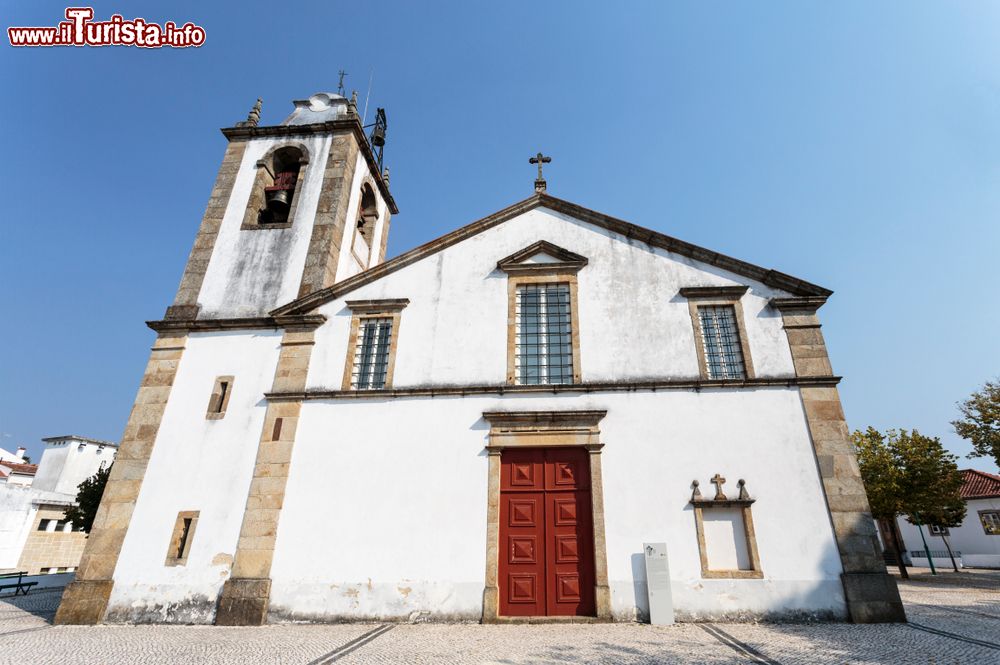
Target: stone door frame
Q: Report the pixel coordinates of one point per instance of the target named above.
(540, 429)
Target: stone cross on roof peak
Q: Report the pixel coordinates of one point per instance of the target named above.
(539, 159)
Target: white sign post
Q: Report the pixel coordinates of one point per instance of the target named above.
(661, 602)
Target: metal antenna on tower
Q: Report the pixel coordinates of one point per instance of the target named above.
(364, 116)
(340, 85)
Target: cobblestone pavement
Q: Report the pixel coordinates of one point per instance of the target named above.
(954, 619)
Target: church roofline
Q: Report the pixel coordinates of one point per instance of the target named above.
(772, 278)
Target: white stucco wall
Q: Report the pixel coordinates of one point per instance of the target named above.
(17, 513)
(19, 479)
(979, 549)
(18, 509)
(385, 511)
(15, 457)
(197, 464)
(252, 272)
(633, 323)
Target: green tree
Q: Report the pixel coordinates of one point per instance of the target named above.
(882, 477)
(980, 422)
(907, 473)
(932, 486)
(88, 498)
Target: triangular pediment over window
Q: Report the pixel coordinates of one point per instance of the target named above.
(541, 256)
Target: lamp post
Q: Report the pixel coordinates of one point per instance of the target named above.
(926, 549)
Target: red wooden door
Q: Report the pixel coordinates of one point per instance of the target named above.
(546, 567)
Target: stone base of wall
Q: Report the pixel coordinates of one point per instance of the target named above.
(243, 602)
(873, 598)
(84, 602)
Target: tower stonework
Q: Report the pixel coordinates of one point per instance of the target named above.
(246, 260)
(295, 207)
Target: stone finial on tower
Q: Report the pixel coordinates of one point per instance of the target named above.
(253, 117)
(385, 176)
(352, 107)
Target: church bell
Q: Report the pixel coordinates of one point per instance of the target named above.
(278, 197)
(378, 136)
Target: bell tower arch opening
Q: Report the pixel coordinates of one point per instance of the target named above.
(367, 214)
(276, 187)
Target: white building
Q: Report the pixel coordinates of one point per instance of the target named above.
(34, 535)
(976, 543)
(13, 473)
(15, 457)
(486, 427)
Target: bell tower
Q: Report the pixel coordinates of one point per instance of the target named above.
(296, 207)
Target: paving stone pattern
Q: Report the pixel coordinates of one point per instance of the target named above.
(955, 619)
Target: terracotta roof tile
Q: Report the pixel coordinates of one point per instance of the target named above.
(28, 469)
(979, 484)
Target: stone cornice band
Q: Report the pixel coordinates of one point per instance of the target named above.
(625, 386)
(804, 303)
(301, 322)
(376, 306)
(695, 292)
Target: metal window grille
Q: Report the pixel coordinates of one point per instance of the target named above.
(991, 523)
(935, 554)
(543, 342)
(371, 355)
(721, 338)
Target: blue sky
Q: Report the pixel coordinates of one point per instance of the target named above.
(852, 144)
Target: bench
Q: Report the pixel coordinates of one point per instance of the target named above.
(19, 586)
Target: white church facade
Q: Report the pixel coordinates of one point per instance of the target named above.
(487, 427)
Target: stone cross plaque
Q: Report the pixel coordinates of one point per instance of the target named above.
(661, 602)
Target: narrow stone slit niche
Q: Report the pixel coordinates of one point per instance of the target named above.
(181, 538)
(219, 400)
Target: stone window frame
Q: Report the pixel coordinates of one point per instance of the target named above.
(562, 271)
(718, 296)
(543, 429)
(368, 182)
(982, 522)
(373, 309)
(250, 215)
(217, 411)
(175, 558)
(700, 504)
